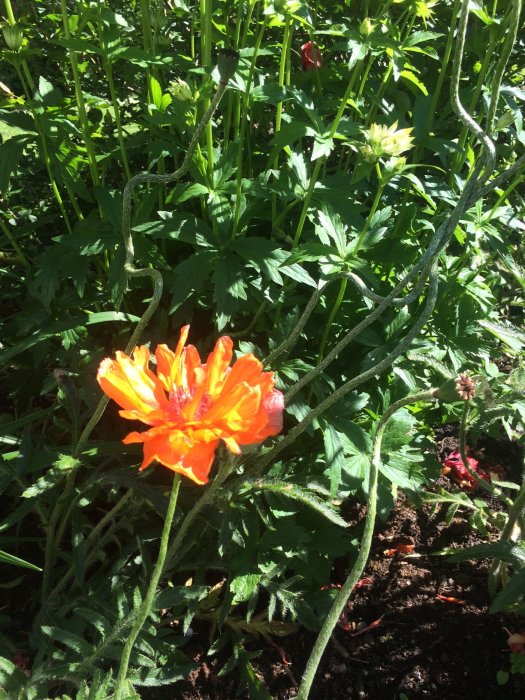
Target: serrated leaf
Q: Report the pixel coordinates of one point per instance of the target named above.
(398, 432)
(513, 592)
(334, 456)
(305, 496)
(64, 465)
(69, 639)
(244, 587)
(229, 287)
(506, 551)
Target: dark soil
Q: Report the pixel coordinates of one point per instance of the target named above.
(421, 646)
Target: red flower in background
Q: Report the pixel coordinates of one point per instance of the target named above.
(311, 58)
(455, 466)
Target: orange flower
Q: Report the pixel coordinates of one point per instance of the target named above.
(190, 406)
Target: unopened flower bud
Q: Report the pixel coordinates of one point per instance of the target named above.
(180, 90)
(13, 36)
(227, 62)
(366, 27)
(394, 166)
(460, 388)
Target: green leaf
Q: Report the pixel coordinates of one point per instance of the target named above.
(398, 432)
(244, 587)
(16, 561)
(323, 146)
(414, 80)
(69, 639)
(303, 495)
(511, 594)
(506, 551)
(53, 329)
(191, 276)
(10, 153)
(335, 459)
(229, 286)
(156, 91)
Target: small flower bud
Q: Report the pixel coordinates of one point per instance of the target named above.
(465, 387)
(366, 27)
(180, 90)
(13, 36)
(460, 388)
(227, 62)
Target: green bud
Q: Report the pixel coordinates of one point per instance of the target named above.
(447, 391)
(13, 36)
(180, 90)
(367, 27)
(227, 62)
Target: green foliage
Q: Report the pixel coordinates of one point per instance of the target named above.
(282, 195)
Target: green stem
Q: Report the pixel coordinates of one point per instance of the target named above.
(242, 135)
(81, 105)
(320, 161)
(15, 245)
(364, 551)
(9, 10)
(482, 483)
(514, 515)
(106, 61)
(92, 538)
(206, 12)
(342, 287)
(145, 608)
(375, 204)
(225, 469)
(28, 86)
(286, 45)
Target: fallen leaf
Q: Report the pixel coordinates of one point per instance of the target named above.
(371, 626)
(450, 599)
(399, 549)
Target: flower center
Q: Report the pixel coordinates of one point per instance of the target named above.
(179, 398)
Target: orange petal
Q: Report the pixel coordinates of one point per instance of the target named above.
(168, 362)
(187, 453)
(130, 383)
(235, 410)
(217, 364)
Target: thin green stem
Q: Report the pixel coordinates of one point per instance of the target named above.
(108, 68)
(482, 483)
(515, 512)
(15, 245)
(26, 83)
(206, 12)
(279, 109)
(81, 105)
(373, 210)
(145, 608)
(320, 161)
(225, 469)
(242, 135)
(341, 600)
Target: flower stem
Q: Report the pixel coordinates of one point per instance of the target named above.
(244, 122)
(320, 161)
(482, 483)
(206, 12)
(225, 470)
(145, 608)
(364, 551)
(82, 113)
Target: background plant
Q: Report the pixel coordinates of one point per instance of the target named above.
(281, 198)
